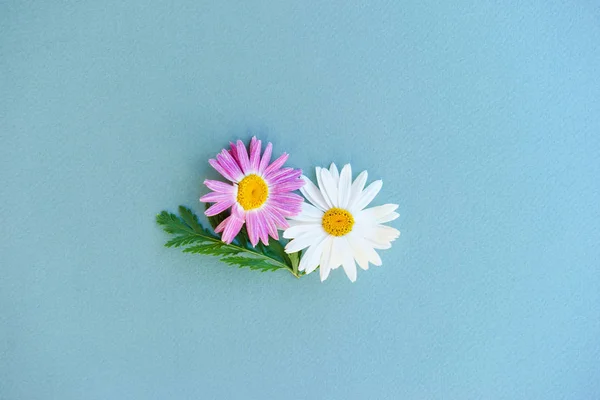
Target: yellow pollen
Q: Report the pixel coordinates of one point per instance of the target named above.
(337, 222)
(252, 192)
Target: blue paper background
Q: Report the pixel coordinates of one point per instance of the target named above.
(483, 121)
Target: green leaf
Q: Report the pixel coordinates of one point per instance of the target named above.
(295, 260)
(171, 223)
(212, 249)
(179, 241)
(190, 219)
(192, 237)
(252, 263)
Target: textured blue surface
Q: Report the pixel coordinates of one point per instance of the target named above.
(482, 120)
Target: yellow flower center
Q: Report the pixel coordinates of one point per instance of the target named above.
(252, 192)
(337, 222)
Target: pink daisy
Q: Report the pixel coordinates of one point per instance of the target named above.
(259, 194)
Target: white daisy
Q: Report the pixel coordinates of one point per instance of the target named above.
(337, 229)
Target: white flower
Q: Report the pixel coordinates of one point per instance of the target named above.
(337, 229)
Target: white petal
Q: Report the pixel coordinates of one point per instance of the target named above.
(301, 242)
(310, 259)
(357, 187)
(309, 214)
(348, 260)
(337, 251)
(325, 267)
(345, 186)
(379, 236)
(324, 272)
(297, 230)
(360, 249)
(374, 257)
(313, 194)
(330, 187)
(387, 233)
(388, 218)
(376, 214)
(366, 196)
(334, 173)
(322, 187)
(381, 245)
(292, 222)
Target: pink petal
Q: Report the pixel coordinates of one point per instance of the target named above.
(269, 224)
(262, 229)
(233, 152)
(222, 225)
(276, 217)
(218, 208)
(273, 230)
(286, 197)
(232, 228)
(276, 164)
(220, 169)
(257, 225)
(215, 197)
(238, 211)
(237, 215)
(287, 210)
(288, 186)
(277, 173)
(242, 154)
(255, 146)
(230, 165)
(284, 174)
(283, 225)
(265, 158)
(219, 186)
(252, 227)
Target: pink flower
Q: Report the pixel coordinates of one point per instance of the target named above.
(260, 194)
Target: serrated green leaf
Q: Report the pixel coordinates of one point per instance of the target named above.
(194, 238)
(190, 219)
(252, 263)
(171, 223)
(184, 240)
(213, 249)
